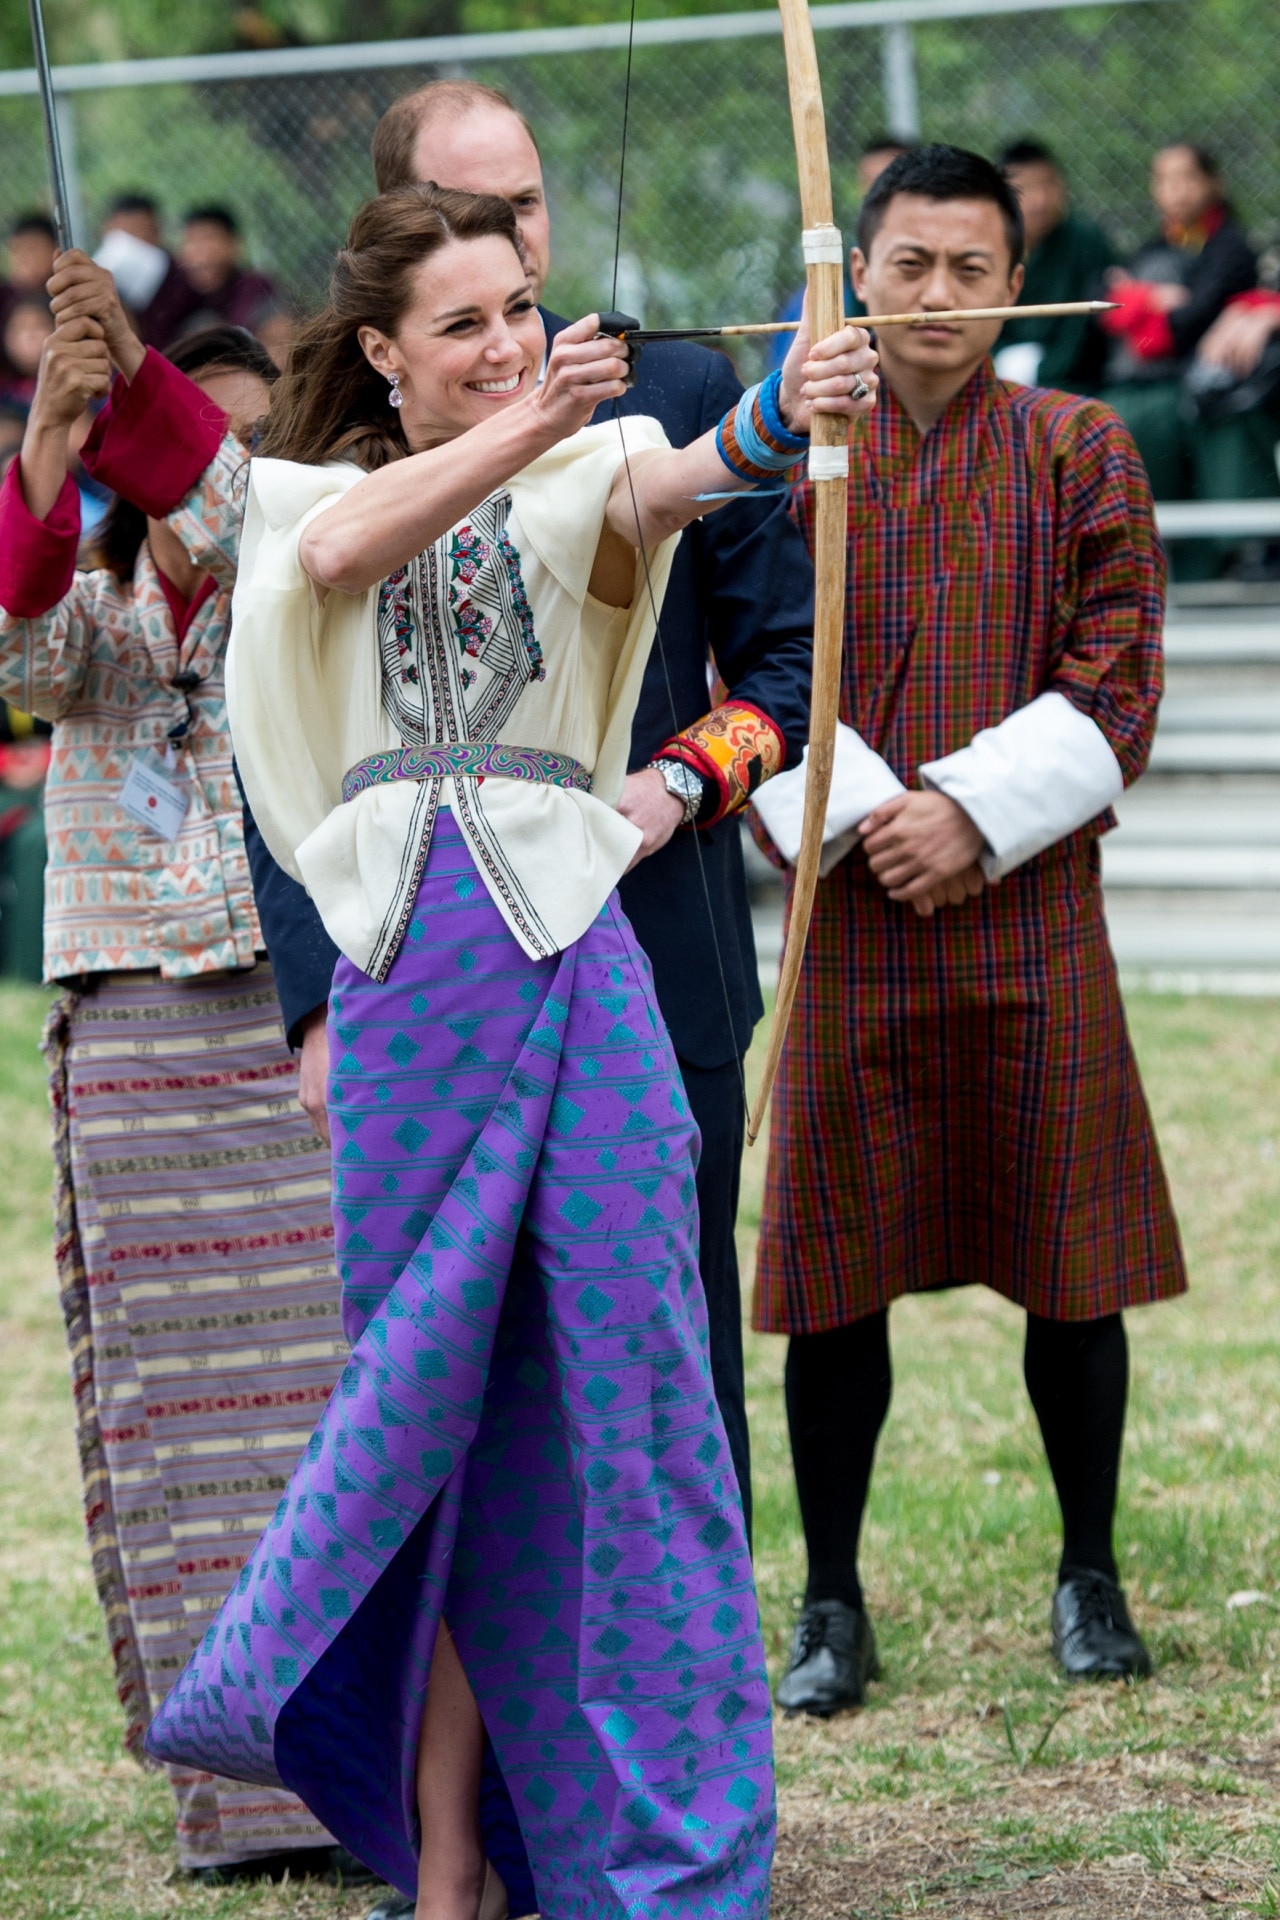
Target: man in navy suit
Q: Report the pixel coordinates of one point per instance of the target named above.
(740, 594)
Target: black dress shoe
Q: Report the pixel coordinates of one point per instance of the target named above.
(392, 1906)
(344, 1870)
(332, 1864)
(833, 1655)
(1093, 1636)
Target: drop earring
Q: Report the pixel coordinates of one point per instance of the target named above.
(395, 397)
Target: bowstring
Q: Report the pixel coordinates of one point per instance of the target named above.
(673, 712)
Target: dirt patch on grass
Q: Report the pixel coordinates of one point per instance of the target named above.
(1106, 1840)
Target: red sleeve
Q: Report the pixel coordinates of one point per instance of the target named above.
(37, 557)
(155, 437)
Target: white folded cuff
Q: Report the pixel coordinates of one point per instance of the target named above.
(860, 782)
(1031, 781)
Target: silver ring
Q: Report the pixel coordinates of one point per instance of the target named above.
(860, 388)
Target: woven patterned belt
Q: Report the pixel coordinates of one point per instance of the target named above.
(466, 760)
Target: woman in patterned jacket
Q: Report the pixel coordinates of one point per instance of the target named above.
(444, 609)
(194, 1241)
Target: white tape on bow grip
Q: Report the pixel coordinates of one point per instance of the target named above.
(829, 463)
(822, 246)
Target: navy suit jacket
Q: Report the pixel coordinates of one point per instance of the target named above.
(741, 593)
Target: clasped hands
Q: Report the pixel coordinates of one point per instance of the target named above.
(923, 849)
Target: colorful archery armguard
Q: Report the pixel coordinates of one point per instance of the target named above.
(753, 441)
(734, 749)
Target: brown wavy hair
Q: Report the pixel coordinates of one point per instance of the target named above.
(329, 403)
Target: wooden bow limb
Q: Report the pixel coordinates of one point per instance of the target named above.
(825, 281)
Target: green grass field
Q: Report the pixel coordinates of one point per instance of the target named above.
(975, 1784)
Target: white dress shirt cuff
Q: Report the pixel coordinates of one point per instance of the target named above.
(860, 782)
(1031, 781)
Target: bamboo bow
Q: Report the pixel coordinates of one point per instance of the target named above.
(829, 438)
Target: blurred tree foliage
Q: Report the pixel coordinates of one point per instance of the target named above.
(133, 29)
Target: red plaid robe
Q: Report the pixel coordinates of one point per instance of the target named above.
(958, 1100)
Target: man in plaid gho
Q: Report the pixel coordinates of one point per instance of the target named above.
(958, 1101)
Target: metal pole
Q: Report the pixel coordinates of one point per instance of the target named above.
(898, 66)
(57, 178)
(68, 125)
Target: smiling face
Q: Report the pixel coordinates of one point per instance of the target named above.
(932, 255)
(488, 150)
(470, 343)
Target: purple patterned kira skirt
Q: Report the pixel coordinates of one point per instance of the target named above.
(525, 1441)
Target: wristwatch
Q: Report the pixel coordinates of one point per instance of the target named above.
(683, 784)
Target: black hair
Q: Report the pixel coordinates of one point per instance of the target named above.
(941, 172)
(214, 216)
(1206, 161)
(135, 203)
(1028, 153)
(34, 223)
(115, 541)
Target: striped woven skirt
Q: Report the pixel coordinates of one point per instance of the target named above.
(525, 1441)
(195, 1261)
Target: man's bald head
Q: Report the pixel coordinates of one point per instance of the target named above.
(460, 134)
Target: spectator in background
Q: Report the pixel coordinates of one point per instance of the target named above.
(1171, 294)
(31, 247)
(13, 424)
(27, 326)
(1231, 400)
(277, 330)
(210, 258)
(25, 333)
(160, 298)
(1067, 259)
(879, 152)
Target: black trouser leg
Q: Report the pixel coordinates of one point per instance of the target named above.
(715, 1097)
(838, 1387)
(1077, 1374)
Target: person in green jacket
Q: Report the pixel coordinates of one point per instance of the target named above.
(1067, 257)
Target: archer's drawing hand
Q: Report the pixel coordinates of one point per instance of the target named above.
(646, 804)
(80, 290)
(582, 370)
(75, 368)
(821, 378)
(919, 843)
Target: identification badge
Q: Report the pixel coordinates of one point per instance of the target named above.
(153, 800)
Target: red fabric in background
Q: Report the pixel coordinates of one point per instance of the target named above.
(184, 611)
(1139, 322)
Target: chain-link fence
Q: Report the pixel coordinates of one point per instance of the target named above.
(710, 218)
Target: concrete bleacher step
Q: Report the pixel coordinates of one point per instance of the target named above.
(1192, 872)
(1195, 644)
